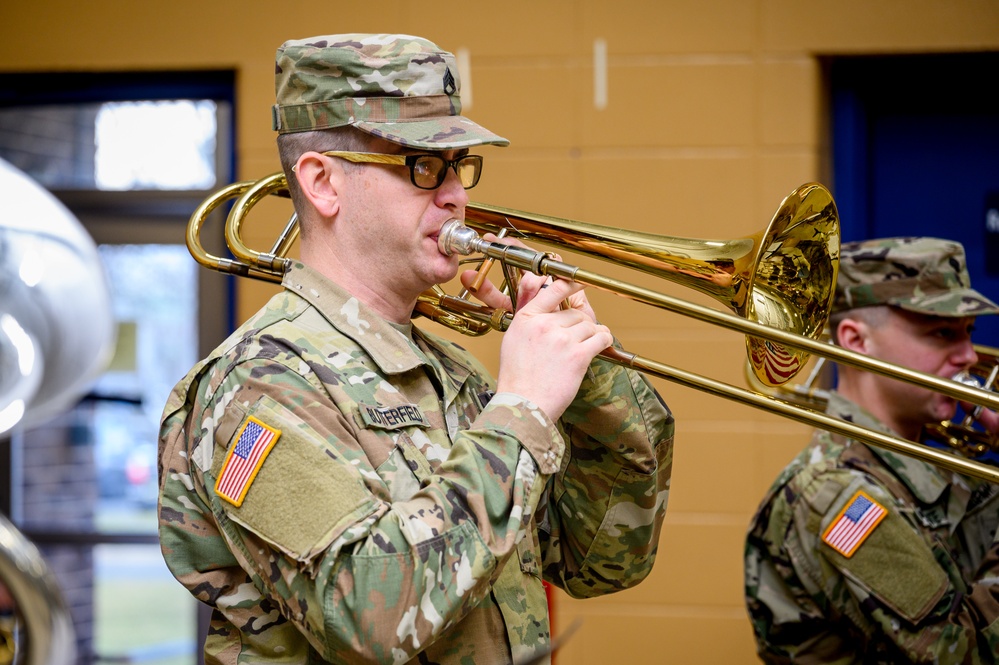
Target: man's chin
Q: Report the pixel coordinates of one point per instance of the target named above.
(446, 274)
(439, 278)
(947, 410)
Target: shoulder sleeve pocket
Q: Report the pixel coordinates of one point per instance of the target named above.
(301, 496)
(896, 566)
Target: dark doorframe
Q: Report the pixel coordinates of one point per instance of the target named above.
(916, 152)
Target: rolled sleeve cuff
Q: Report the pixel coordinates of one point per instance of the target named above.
(523, 420)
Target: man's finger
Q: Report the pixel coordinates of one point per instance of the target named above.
(549, 299)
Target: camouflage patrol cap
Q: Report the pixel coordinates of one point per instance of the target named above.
(400, 88)
(923, 275)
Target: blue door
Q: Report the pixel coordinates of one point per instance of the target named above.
(916, 152)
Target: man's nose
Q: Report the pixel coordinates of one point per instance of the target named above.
(451, 190)
(966, 354)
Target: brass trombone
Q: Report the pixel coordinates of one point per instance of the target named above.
(961, 435)
(779, 283)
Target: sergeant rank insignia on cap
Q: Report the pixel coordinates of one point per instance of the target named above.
(854, 524)
(253, 444)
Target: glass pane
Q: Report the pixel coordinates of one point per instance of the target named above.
(154, 295)
(143, 145)
(142, 615)
(156, 145)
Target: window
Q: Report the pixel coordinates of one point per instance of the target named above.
(131, 156)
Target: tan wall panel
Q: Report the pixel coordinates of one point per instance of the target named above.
(789, 109)
(727, 467)
(535, 182)
(680, 26)
(702, 196)
(182, 34)
(681, 105)
(533, 103)
(719, 470)
(879, 26)
(516, 30)
(639, 636)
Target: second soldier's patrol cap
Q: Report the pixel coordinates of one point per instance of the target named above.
(400, 88)
(917, 274)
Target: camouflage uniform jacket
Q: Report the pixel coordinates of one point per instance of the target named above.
(921, 586)
(401, 510)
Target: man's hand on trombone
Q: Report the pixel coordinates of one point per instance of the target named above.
(985, 417)
(551, 341)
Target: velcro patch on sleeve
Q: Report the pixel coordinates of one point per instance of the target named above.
(883, 556)
(243, 462)
(854, 524)
(306, 495)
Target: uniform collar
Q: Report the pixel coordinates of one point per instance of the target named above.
(388, 345)
(924, 480)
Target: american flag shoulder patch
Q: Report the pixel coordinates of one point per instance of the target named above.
(243, 462)
(854, 524)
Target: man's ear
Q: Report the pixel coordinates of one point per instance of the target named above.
(320, 179)
(852, 335)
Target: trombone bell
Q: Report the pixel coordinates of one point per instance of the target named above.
(783, 277)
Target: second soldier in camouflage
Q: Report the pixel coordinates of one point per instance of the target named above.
(861, 555)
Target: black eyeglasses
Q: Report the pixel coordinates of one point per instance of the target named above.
(426, 171)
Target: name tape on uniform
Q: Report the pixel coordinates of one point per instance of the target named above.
(392, 417)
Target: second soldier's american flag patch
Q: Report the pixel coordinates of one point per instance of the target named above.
(241, 466)
(854, 524)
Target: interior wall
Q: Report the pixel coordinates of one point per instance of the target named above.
(714, 111)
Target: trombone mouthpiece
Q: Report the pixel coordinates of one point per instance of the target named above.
(966, 378)
(456, 238)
